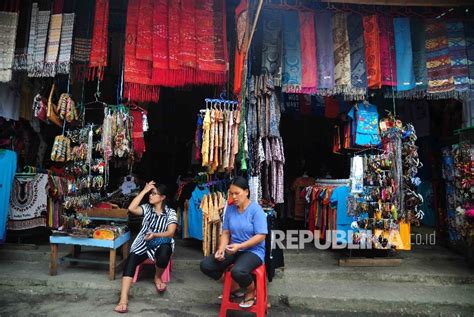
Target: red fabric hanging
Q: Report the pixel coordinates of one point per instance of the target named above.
(309, 69)
(138, 73)
(144, 49)
(99, 49)
(372, 51)
(387, 50)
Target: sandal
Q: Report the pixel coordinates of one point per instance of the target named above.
(248, 302)
(234, 295)
(122, 310)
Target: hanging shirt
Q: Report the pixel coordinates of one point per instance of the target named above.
(367, 124)
(205, 138)
(195, 212)
(152, 222)
(7, 174)
(244, 225)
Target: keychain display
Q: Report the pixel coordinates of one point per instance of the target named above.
(61, 151)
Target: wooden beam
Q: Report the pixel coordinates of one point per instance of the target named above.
(413, 3)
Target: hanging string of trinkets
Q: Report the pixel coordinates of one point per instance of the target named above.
(216, 138)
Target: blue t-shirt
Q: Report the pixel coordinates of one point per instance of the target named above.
(195, 213)
(367, 130)
(243, 226)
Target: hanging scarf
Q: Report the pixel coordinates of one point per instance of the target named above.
(404, 57)
(32, 36)
(211, 42)
(82, 39)
(440, 81)
(145, 31)
(41, 35)
(65, 47)
(22, 35)
(418, 38)
(196, 51)
(100, 35)
(355, 30)
(469, 36)
(137, 73)
(372, 51)
(325, 50)
(458, 57)
(342, 53)
(387, 52)
(309, 73)
(8, 25)
(291, 72)
(271, 46)
(52, 50)
(241, 18)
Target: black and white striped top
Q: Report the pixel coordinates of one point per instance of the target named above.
(153, 223)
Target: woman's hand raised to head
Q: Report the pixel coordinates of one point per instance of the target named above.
(149, 186)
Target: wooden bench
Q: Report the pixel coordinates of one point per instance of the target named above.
(76, 243)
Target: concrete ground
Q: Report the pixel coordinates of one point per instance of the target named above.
(431, 281)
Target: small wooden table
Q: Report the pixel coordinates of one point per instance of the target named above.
(76, 243)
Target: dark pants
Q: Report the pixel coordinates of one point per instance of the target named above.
(244, 263)
(162, 257)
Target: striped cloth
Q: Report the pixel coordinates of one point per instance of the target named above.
(458, 57)
(52, 50)
(32, 37)
(41, 34)
(65, 49)
(8, 25)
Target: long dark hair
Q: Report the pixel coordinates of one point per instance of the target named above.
(241, 182)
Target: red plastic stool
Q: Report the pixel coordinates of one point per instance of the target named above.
(260, 307)
(165, 277)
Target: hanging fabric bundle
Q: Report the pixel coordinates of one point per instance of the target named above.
(144, 50)
(404, 56)
(325, 52)
(52, 49)
(21, 48)
(387, 50)
(418, 39)
(291, 72)
(82, 39)
(8, 26)
(458, 57)
(440, 80)
(372, 51)
(138, 73)
(99, 49)
(271, 44)
(342, 54)
(40, 37)
(65, 48)
(355, 30)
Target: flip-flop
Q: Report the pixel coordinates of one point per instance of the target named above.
(121, 311)
(245, 302)
(234, 295)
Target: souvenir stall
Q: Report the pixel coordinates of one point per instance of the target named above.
(458, 177)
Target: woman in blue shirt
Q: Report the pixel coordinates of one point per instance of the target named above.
(241, 243)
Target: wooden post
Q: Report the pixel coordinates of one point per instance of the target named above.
(112, 258)
(53, 264)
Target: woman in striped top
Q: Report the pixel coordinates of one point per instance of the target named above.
(159, 221)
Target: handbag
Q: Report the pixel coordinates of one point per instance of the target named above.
(155, 242)
(52, 113)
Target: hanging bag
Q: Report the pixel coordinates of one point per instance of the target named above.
(53, 113)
